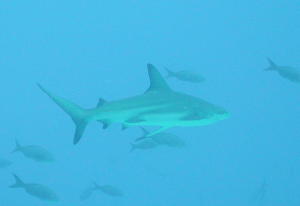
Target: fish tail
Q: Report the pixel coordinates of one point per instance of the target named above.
(169, 73)
(18, 147)
(272, 65)
(144, 136)
(132, 147)
(145, 132)
(79, 115)
(96, 186)
(19, 183)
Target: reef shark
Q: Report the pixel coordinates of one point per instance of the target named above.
(159, 106)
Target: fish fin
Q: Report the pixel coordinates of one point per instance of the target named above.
(96, 186)
(132, 147)
(272, 65)
(157, 131)
(124, 126)
(105, 124)
(18, 147)
(145, 132)
(170, 73)
(79, 116)
(101, 102)
(18, 183)
(157, 82)
(150, 134)
(86, 194)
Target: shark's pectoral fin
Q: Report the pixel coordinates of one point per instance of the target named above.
(150, 134)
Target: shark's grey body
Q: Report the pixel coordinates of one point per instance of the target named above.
(287, 72)
(158, 106)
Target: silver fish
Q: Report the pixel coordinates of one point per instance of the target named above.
(34, 152)
(39, 191)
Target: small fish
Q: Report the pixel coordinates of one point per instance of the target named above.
(164, 138)
(110, 190)
(290, 73)
(106, 189)
(4, 163)
(39, 191)
(145, 144)
(168, 139)
(260, 194)
(34, 152)
(87, 193)
(186, 75)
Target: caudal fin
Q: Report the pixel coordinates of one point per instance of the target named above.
(19, 183)
(272, 65)
(170, 73)
(17, 147)
(132, 148)
(78, 115)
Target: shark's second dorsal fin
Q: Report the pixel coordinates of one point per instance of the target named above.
(157, 82)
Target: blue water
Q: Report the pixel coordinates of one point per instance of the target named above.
(84, 50)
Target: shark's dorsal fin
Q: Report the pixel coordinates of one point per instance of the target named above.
(157, 82)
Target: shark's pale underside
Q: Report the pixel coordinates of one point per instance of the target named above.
(159, 106)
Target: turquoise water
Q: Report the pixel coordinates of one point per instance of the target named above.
(86, 50)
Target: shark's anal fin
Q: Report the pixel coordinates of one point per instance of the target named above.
(150, 134)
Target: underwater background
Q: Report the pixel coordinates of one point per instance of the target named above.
(86, 50)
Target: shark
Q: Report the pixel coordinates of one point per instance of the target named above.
(158, 106)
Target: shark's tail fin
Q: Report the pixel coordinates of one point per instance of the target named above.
(170, 73)
(19, 183)
(79, 116)
(272, 65)
(18, 147)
